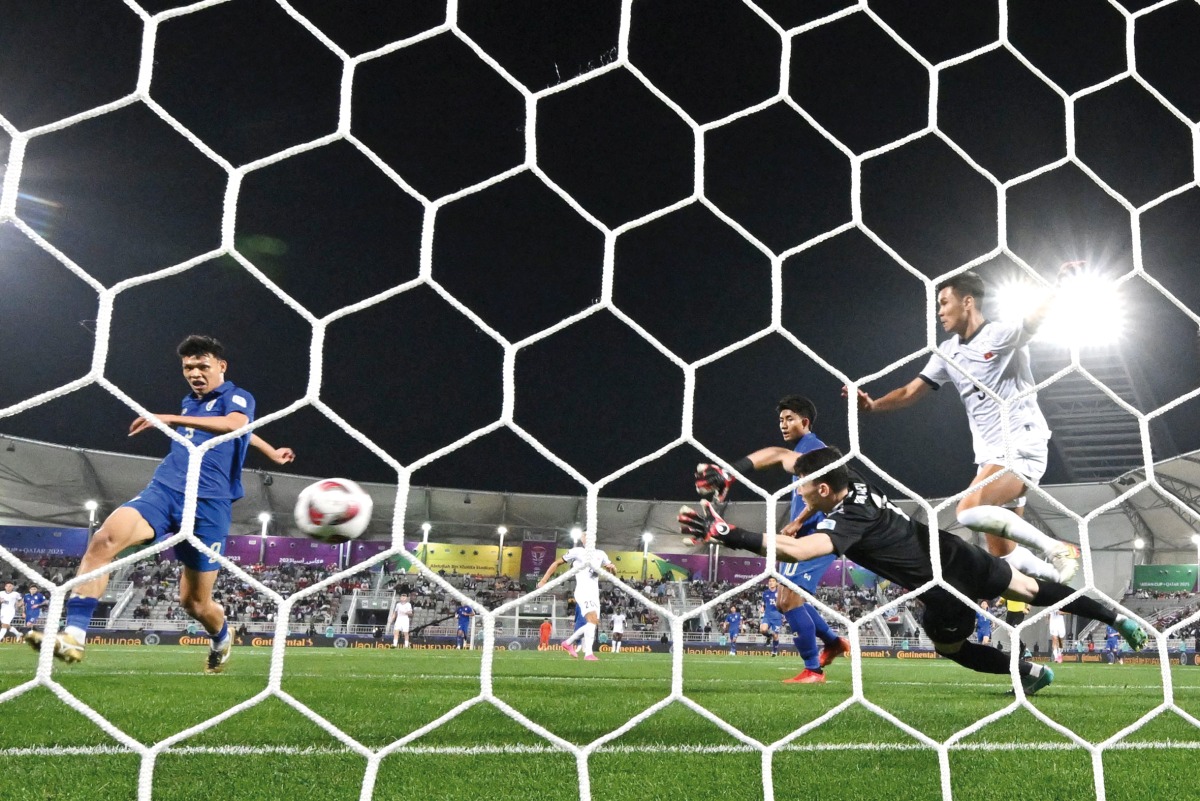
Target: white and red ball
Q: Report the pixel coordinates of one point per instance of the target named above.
(333, 510)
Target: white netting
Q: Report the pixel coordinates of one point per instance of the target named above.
(235, 175)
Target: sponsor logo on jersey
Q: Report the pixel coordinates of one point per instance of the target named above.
(208, 407)
(827, 525)
(238, 400)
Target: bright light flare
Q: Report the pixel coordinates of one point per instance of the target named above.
(1088, 312)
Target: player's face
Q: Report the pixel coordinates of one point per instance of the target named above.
(792, 425)
(816, 495)
(772, 584)
(953, 311)
(203, 373)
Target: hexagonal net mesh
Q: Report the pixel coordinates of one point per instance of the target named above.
(710, 127)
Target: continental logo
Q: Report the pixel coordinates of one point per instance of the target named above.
(292, 642)
(916, 655)
(189, 640)
(884, 654)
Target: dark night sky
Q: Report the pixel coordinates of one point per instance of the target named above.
(124, 194)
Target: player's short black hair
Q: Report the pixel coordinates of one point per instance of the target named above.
(838, 478)
(800, 405)
(200, 345)
(965, 284)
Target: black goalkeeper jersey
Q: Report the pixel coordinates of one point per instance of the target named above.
(871, 532)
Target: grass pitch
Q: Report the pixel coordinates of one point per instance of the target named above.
(272, 751)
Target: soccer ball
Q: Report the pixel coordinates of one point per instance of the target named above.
(333, 510)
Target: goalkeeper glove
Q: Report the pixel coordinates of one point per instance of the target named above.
(703, 527)
(713, 481)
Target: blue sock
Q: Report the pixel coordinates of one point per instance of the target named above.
(220, 636)
(806, 638)
(827, 635)
(774, 645)
(79, 612)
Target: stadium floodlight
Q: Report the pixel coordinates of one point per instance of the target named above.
(501, 530)
(264, 517)
(646, 538)
(91, 505)
(1139, 544)
(426, 526)
(1088, 312)
(1196, 539)
(576, 535)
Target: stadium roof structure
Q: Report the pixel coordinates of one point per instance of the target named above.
(48, 484)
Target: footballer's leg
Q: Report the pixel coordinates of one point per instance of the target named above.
(124, 527)
(195, 596)
(589, 631)
(1006, 532)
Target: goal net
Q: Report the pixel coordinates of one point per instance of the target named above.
(635, 210)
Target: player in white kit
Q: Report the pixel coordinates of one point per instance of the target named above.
(8, 610)
(587, 592)
(996, 356)
(1058, 631)
(618, 631)
(400, 620)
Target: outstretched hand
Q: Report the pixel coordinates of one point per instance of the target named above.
(713, 481)
(141, 424)
(865, 402)
(701, 527)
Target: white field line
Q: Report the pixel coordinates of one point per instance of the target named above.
(294, 750)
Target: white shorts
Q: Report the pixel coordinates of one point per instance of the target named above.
(1030, 462)
(402, 625)
(588, 605)
(1058, 627)
(6, 616)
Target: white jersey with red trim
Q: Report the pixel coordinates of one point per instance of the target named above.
(996, 357)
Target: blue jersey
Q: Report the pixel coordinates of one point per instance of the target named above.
(221, 470)
(809, 442)
(806, 575)
(579, 617)
(771, 613)
(34, 601)
(464, 613)
(983, 626)
(1112, 639)
(734, 621)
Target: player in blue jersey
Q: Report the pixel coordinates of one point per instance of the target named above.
(796, 416)
(983, 625)
(772, 620)
(733, 627)
(464, 613)
(214, 407)
(1112, 646)
(35, 602)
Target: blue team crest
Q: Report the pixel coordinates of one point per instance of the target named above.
(208, 407)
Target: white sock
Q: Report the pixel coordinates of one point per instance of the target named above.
(589, 635)
(617, 647)
(575, 637)
(1009, 525)
(1030, 565)
(79, 634)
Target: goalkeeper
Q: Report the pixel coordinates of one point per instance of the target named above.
(796, 416)
(862, 525)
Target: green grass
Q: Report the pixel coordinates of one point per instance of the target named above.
(272, 752)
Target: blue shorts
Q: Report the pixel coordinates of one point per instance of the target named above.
(162, 508)
(464, 629)
(806, 575)
(33, 617)
(773, 624)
